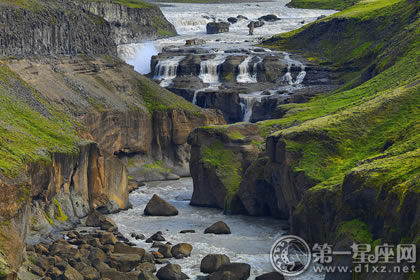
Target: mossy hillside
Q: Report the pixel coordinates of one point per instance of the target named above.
(25, 134)
(360, 41)
(322, 4)
(135, 4)
(227, 168)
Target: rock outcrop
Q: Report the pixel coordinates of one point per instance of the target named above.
(217, 27)
(159, 207)
(144, 21)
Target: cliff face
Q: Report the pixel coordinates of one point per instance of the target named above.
(72, 27)
(130, 25)
(344, 166)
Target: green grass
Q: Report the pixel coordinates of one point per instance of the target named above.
(322, 4)
(357, 231)
(26, 135)
(228, 169)
(157, 165)
(130, 3)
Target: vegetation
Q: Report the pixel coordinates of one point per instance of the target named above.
(158, 166)
(357, 231)
(131, 3)
(322, 4)
(25, 134)
(228, 169)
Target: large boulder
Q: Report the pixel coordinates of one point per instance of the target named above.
(171, 272)
(233, 20)
(240, 271)
(159, 207)
(72, 274)
(211, 263)
(181, 250)
(165, 250)
(269, 18)
(147, 276)
(270, 276)
(122, 248)
(217, 27)
(218, 228)
(124, 262)
(97, 219)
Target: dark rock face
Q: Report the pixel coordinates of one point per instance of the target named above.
(159, 207)
(218, 228)
(269, 18)
(217, 27)
(171, 272)
(240, 271)
(211, 263)
(232, 20)
(270, 276)
(130, 25)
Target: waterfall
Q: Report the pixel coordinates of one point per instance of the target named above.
(247, 102)
(288, 76)
(194, 101)
(166, 70)
(244, 76)
(209, 69)
(255, 68)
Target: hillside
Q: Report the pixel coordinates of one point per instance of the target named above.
(345, 164)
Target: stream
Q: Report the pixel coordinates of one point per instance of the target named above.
(250, 241)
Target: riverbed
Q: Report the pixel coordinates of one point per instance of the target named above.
(250, 241)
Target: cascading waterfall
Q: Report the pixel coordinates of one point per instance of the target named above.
(288, 76)
(244, 75)
(209, 69)
(166, 70)
(247, 102)
(255, 68)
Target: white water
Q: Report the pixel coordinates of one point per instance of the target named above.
(165, 70)
(288, 76)
(250, 241)
(209, 69)
(244, 75)
(190, 22)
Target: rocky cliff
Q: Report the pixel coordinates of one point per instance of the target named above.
(131, 22)
(342, 167)
(70, 27)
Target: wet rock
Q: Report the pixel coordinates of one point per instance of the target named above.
(158, 236)
(157, 255)
(181, 250)
(146, 267)
(97, 219)
(218, 228)
(217, 27)
(124, 262)
(138, 236)
(89, 273)
(97, 255)
(171, 272)
(269, 18)
(113, 274)
(270, 276)
(159, 207)
(165, 250)
(72, 274)
(213, 262)
(232, 20)
(147, 276)
(108, 238)
(194, 42)
(187, 231)
(222, 275)
(157, 244)
(240, 271)
(95, 242)
(122, 248)
(108, 249)
(242, 17)
(148, 258)
(100, 266)
(257, 23)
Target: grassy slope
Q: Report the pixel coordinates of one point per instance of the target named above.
(370, 126)
(322, 4)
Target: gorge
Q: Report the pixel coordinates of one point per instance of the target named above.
(310, 127)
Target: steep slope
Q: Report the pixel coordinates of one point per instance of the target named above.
(345, 163)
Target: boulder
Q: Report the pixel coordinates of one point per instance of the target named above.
(97, 255)
(113, 274)
(89, 273)
(187, 231)
(232, 20)
(270, 276)
(124, 262)
(217, 27)
(181, 250)
(108, 239)
(159, 207)
(239, 271)
(257, 23)
(241, 17)
(194, 42)
(146, 267)
(147, 276)
(97, 219)
(222, 275)
(171, 272)
(218, 228)
(157, 236)
(165, 250)
(122, 248)
(148, 258)
(269, 18)
(72, 274)
(213, 262)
